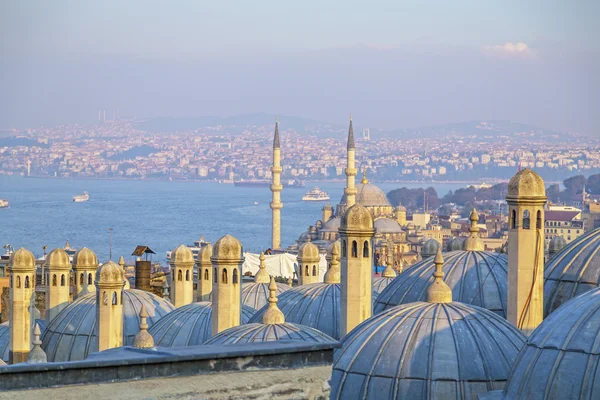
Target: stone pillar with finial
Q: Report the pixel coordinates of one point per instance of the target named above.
(273, 314)
(37, 355)
(143, 339)
(21, 269)
(474, 242)
(58, 266)
(182, 276)
(439, 291)
(388, 271)
(333, 274)
(262, 276)
(227, 260)
(85, 264)
(109, 282)
(205, 273)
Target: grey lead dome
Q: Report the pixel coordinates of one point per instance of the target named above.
(256, 332)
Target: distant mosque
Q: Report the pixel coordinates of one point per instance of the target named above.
(460, 324)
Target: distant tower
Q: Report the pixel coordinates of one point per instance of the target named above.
(327, 212)
(356, 231)
(205, 273)
(22, 280)
(526, 198)
(182, 276)
(58, 266)
(276, 188)
(308, 264)
(85, 264)
(28, 167)
(109, 283)
(400, 213)
(366, 134)
(227, 261)
(350, 189)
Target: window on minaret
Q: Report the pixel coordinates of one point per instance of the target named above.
(206, 274)
(306, 270)
(114, 299)
(62, 280)
(18, 282)
(526, 219)
(344, 250)
(26, 282)
(314, 270)
(105, 298)
(538, 221)
(513, 222)
(54, 280)
(81, 279)
(366, 249)
(354, 249)
(235, 276)
(187, 275)
(179, 276)
(215, 276)
(224, 277)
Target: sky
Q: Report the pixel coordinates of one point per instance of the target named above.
(392, 64)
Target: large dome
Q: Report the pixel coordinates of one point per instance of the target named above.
(333, 225)
(368, 195)
(255, 295)
(316, 305)
(379, 284)
(561, 357)
(572, 271)
(257, 332)
(476, 277)
(190, 325)
(386, 225)
(426, 351)
(71, 335)
(4, 341)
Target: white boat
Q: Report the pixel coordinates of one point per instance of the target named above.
(316, 195)
(80, 198)
(4, 203)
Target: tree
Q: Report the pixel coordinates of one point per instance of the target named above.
(593, 184)
(574, 185)
(553, 192)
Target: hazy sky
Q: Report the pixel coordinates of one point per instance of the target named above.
(391, 63)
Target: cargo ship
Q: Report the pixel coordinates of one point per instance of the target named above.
(264, 183)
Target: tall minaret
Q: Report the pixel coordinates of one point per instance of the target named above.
(205, 273)
(85, 264)
(350, 189)
(182, 276)
(58, 266)
(227, 260)
(356, 231)
(526, 198)
(276, 187)
(109, 282)
(22, 280)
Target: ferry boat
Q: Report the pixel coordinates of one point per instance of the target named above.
(79, 198)
(4, 203)
(316, 195)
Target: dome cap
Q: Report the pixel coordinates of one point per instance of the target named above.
(439, 291)
(143, 339)
(110, 272)
(58, 259)
(474, 242)
(308, 252)
(357, 218)
(85, 258)
(226, 249)
(182, 254)
(205, 254)
(262, 276)
(22, 260)
(273, 314)
(37, 355)
(526, 184)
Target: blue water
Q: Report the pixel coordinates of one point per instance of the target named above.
(159, 214)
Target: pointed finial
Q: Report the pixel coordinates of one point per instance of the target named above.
(350, 135)
(364, 180)
(273, 315)
(165, 287)
(474, 218)
(276, 144)
(439, 291)
(37, 355)
(290, 281)
(474, 242)
(262, 276)
(143, 339)
(67, 245)
(333, 274)
(389, 272)
(122, 262)
(350, 117)
(202, 238)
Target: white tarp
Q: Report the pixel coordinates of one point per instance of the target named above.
(279, 264)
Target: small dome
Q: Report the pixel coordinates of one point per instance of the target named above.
(386, 225)
(526, 183)
(58, 258)
(426, 351)
(556, 244)
(572, 271)
(332, 225)
(308, 252)
(85, 258)
(204, 254)
(368, 195)
(71, 335)
(430, 248)
(357, 218)
(227, 248)
(190, 325)
(476, 277)
(110, 272)
(255, 295)
(561, 357)
(22, 260)
(316, 305)
(256, 332)
(400, 208)
(182, 254)
(456, 243)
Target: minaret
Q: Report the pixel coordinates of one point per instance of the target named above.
(474, 242)
(182, 276)
(526, 198)
(58, 266)
(262, 276)
(356, 231)
(109, 283)
(85, 264)
(205, 273)
(350, 189)
(227, 260)
(273, 314)
(22, 281)
(276, 187)
(439, 291)
(308, 264)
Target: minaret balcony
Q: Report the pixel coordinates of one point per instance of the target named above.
(276, 187)
(276, 169)
(351, 171)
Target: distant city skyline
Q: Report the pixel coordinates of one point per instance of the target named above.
(394, 64)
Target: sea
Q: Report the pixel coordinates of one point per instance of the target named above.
(158, 214)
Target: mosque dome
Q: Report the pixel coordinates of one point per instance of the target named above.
(476, 277)
(255, 294)
(456, 243)
(380, 283)
(4, 341)
(426, 351)
(526, 183)
(190, 325)
(561, 357)
(368, 195)
(22, 259)
(430, 248)
(182, 254)
(556, 244)
(58, 258)
(386, 226)
(316, 305)
(332, 225)
(572, 271)
(85, 257)
(71, 335)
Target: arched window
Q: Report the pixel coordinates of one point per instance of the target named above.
(235, 276)
(344, 250)
(224, 277)
(366, 249)
(54, 280)
(206, 274)
(354, 249)
(81, 279)
(187, 275)
(215, 276)
(90, 279)
(179, 275)
(62, 280)
(114, 299)
(538, 221)
(105, 298)
(513, 220)
(18, 282)
(306, 270)
(526, 219)
(26, 282)
(314, 270)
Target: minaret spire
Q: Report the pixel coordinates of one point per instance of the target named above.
(439, 291)
(350, 189)
(276, 187)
